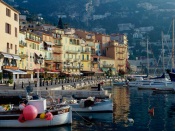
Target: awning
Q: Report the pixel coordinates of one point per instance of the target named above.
(105, 69)
(16, 57)
(49, 43)
(7, 55)
(16, 71)
(113, 69)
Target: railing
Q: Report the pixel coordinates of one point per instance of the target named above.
(85, 60)
(22, 44)
(48, 58)
(23, 56)
(57, 51)
(85, 51)
(72, 52)
(108, 65)
(57, 60)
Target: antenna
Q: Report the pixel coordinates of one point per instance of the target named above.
(147, 57)
(173, 45)
(163, 52)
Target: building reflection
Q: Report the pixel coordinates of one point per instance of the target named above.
(121, 104)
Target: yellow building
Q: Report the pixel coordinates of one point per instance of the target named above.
(71, 58)
(35, 55)
(119, 52)
(9, 25)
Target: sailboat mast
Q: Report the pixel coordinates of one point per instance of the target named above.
(147, 57)
(173, 46)
(163, 53)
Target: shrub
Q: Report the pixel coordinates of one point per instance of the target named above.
(10, 81)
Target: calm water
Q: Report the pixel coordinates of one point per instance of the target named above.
(128, 103)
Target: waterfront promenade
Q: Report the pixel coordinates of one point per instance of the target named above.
(80, 88)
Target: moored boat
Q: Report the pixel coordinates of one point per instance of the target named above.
(34, 112)
(91, 105)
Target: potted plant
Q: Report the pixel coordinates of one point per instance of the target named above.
(10, 82)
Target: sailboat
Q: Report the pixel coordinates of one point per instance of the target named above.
(172, 72)
(155, 82)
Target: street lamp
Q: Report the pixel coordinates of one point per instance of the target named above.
(67, 64)
(80, 67)
(40, 60)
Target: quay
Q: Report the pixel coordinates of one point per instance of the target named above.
(77, 89)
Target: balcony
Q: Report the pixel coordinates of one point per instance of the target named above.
(76, 59)
(22, 44)
(85, 51)
(23, 56)
(58, 45)
(57, 51)
(48, 58)
(85, 60)
(108, 65)
(72, 52)
(57, 60)
(69, 59)
(95, 62)
(121, 52)
(121, 58)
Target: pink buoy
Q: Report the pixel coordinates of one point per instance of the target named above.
(30, 112)
(21, 118)
(49, 116)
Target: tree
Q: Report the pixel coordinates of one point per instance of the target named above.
(60, 24)
(121, 72)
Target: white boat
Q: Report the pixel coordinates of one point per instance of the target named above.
(34, 111)
(90, 106)
(156, 85)
(119, 83)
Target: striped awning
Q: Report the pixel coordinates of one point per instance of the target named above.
(7, 55)
(16, 71)
(16, 57)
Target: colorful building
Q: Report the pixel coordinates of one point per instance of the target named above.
(9, 24)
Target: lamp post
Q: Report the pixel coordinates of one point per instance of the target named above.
(40, 60)
(67, 64)
(80, 67)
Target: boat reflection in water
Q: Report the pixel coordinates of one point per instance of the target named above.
(60, 128)
(121, 105)
(92, 117)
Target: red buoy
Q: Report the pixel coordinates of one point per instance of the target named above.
(151, 111)
(49, 116)
(30, 112)
(21, 118)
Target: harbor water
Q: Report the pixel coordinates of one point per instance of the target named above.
(131, 113)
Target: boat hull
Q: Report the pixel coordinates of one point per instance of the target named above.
(58, 120)
(99, 107)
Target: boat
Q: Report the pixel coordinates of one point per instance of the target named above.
(156, 85)
(119, 83)
(90, 105)
(34, 112)
(100, 117)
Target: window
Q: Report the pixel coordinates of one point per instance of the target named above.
(16, 32)
(15, 17)
(11, 46)
(7, 28)
(8, 12)
(16, 51)
(8, 46)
